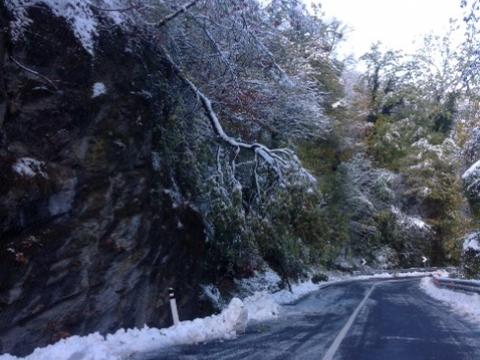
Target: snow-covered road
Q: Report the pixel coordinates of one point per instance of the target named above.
(375, 319)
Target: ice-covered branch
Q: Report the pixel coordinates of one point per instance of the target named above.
(217, 48)
(280, 160)
(176, 13)
(283, 74)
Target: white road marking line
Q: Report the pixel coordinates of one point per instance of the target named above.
(332, 350)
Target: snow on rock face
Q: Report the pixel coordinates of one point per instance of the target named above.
(472, 171)
(472, 242)
(409, 221)
(98, 89)
(471, 180)
(471, 256)
(471, 152)
(79, 14)
(464, 304)
(29, 167)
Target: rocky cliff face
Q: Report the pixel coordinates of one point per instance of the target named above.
(95, 222)
(385, 227)
(471, 177)
(471, 181)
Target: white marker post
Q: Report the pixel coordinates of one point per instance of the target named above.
(424, 261)
(173, 306)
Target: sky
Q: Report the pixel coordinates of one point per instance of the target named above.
(396, 23)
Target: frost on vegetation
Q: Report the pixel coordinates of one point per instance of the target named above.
(446, 151)
(464, 304)
(267, 280)
(385, 258)
(29, 167)
(409, 221)
(98, 89)
(79, 14)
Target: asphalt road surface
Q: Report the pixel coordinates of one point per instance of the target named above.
(366, 320)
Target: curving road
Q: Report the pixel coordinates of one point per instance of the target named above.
(367, 320)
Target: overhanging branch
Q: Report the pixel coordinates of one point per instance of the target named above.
(176, 13)
(280, 160)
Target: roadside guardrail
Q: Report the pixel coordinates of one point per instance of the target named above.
(468, 286)
(402, 271)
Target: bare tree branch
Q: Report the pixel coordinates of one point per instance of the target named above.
(176, 13)
(36, 73)
(278, 159)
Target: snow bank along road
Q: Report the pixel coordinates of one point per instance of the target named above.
(361, 320)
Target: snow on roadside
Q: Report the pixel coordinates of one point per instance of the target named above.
(465, 304)
(267, 301)
(123, 343)
(261, 306)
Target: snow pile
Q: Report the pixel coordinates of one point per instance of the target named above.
(400, 274)
(79, 14)
(468, 305)
(124, 343)
(98, 89)
(267, 285)
(29, 167)
(261, 306)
